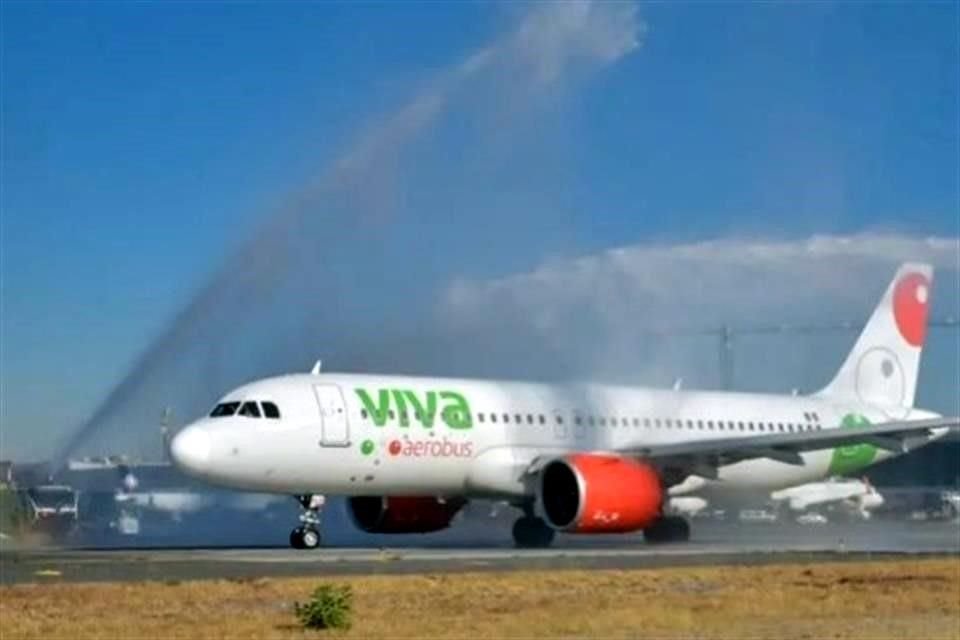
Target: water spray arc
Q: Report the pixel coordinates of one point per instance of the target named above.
(259, 287)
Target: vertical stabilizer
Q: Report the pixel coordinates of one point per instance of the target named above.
(883, 365)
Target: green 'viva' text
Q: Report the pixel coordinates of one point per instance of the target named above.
(408, 406)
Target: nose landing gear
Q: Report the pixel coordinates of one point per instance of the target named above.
(307, 535)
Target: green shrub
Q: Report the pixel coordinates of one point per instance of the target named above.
(328, 608)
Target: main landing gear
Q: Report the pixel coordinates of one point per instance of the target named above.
(531, 532)
(668, 529)
(307, 535)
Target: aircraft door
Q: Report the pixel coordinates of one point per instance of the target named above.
(333, 414)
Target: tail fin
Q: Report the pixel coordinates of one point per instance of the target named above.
(883, 365)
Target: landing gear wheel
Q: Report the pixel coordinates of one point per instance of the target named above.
(307, 535)
(305, 538)
(296, 539)
(532, 533)
(667, 529)
(310, 538)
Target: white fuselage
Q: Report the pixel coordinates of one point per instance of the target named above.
(353, 434)
(855, 492)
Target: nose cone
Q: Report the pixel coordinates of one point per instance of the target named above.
(190, 449)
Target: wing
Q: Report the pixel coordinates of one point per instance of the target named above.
(703, 457)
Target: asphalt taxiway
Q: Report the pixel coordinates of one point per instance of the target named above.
(752, 544)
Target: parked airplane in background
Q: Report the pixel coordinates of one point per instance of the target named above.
(859, 495)
(409, 452)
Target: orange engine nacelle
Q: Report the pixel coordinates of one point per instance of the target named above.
(377, 514)
(599, 494)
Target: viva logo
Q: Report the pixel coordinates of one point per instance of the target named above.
(852, 458)
(411, 406)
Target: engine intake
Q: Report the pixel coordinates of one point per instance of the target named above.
(588, 493)
(418, 514)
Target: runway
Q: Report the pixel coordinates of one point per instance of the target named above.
(728, 544)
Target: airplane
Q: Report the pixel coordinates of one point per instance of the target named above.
(858, 495)
(686, 505)
(409, 452)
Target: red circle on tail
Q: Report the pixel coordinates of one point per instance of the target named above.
(910, 307)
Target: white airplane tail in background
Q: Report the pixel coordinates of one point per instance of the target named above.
(883, 365)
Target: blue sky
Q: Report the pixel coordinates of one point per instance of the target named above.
(142, 142)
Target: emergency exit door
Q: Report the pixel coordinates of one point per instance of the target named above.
(335, 431)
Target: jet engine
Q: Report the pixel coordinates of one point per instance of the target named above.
(588, 493)
(419, 514)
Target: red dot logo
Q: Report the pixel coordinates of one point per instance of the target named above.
(394, 447)
(910, 307)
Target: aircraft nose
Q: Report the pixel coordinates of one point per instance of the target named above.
(190, 449)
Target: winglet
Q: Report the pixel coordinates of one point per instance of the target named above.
(316, 367)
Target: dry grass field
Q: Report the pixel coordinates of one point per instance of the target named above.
(890, 599)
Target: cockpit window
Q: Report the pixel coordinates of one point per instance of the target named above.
(249, 409)
(270, 410)
(224, 409)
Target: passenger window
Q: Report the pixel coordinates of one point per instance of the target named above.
(250, 409)
(480, 417)
(529, 418)
(559, 419)
(506, 418)
(578, 420)
(391, 414)
(656, 422)
(493, 417)
(270, 410)
(542, 419)
(603, 421)
(646, 422)
(224, 410)
(690, 425)
(668, 422)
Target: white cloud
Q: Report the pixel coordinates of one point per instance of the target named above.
(595, 310)
(726, 271)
